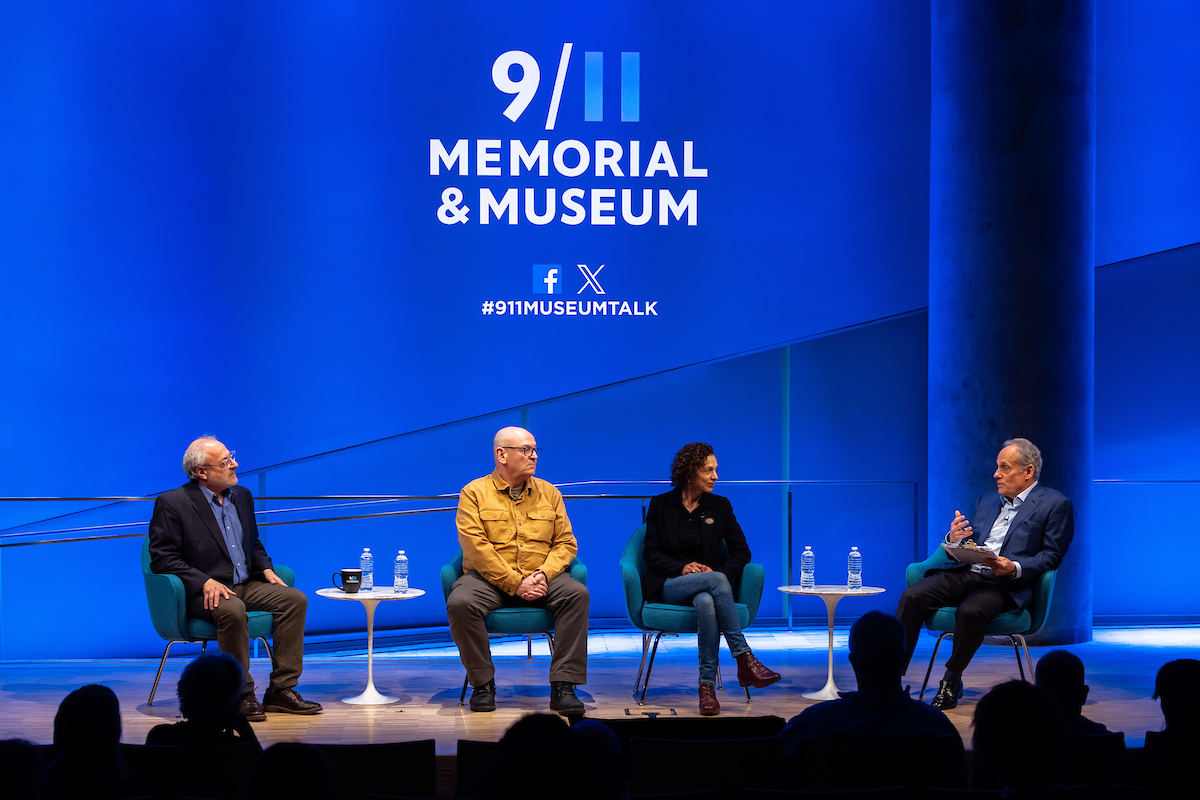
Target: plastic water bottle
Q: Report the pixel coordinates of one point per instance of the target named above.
(808, 568)
(400, 574)
(854, 569)
(367, 562)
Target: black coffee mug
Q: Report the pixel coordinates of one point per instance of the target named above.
(351, 580)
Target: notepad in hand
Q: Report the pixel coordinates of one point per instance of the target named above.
(968, 554)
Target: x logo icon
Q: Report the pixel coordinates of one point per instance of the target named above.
(590, 279)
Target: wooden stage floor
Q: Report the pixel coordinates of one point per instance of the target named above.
(1120, 662)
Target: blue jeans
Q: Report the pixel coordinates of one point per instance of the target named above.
(716, 613)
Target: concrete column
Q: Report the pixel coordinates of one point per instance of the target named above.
(1011, 261)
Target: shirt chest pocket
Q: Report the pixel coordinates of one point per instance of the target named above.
(539, 525)
(496, 524)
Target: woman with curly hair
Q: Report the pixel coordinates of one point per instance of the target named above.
(684, 531)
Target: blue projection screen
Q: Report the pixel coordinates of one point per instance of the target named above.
(373, 217)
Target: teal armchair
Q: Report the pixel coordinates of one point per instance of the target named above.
(1014, 625)
(524, 621)
(167, 602)
(657, 619)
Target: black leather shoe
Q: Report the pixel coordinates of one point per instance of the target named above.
(289, 701)
(563, 699)
(948, 695)
(251, 709)
(483, 698)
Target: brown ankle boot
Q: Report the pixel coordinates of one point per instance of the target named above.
(751, 672)
(709, 707)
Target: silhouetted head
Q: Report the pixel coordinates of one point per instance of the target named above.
(542, 745)
(88, 722)
(1020, 736)
(534, 727)
(1060, 672)
(210, 689)
(877, 651)
(1177, 687)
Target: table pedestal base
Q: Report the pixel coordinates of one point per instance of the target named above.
(830, 690)
(371, 697)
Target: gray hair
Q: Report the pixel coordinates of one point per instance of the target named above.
(1028, 452)
(194, 456)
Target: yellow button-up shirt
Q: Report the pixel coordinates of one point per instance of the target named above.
(504, 539)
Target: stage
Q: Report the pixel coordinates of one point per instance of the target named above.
(1121, 663)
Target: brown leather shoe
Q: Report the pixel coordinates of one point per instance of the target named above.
(752, 672)
(709, 707)
(289, 701)
(251, 709)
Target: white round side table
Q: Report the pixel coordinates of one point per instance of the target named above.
(831, 595)
(371, 598)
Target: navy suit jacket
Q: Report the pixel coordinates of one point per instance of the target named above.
(186, 541)
(662, 549)
(1038, 536)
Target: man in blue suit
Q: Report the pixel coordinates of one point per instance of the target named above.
(1028, 526)
(205, 533)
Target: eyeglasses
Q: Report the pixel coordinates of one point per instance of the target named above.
(224, 462)
(525, 451)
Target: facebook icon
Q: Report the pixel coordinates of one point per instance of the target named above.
(547, 279)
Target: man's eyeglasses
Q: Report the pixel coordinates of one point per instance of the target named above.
(224, 462)
(525, 451)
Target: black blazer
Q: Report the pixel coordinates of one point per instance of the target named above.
(661, 550)
(186, 541)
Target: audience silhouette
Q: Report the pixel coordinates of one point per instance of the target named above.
(1020, 738)
(87, 736)
(880, 707)
(20, 769)
(1166, 760)
(210, 692)
(879, 720)
(541, 755)
(1060, 673)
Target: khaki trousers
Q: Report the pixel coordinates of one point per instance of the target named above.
(473, 598)
(288, 606)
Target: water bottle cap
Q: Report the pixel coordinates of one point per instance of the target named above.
(853, 548)
(366, 549)
(401, 552)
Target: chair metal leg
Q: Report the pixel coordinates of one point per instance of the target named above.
(161, 664)
(642, 666)
(932, 658)
(549, 642)
(650, 667)
(720, 683)
(1018, 637)
(266, 644)
(463, 696)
